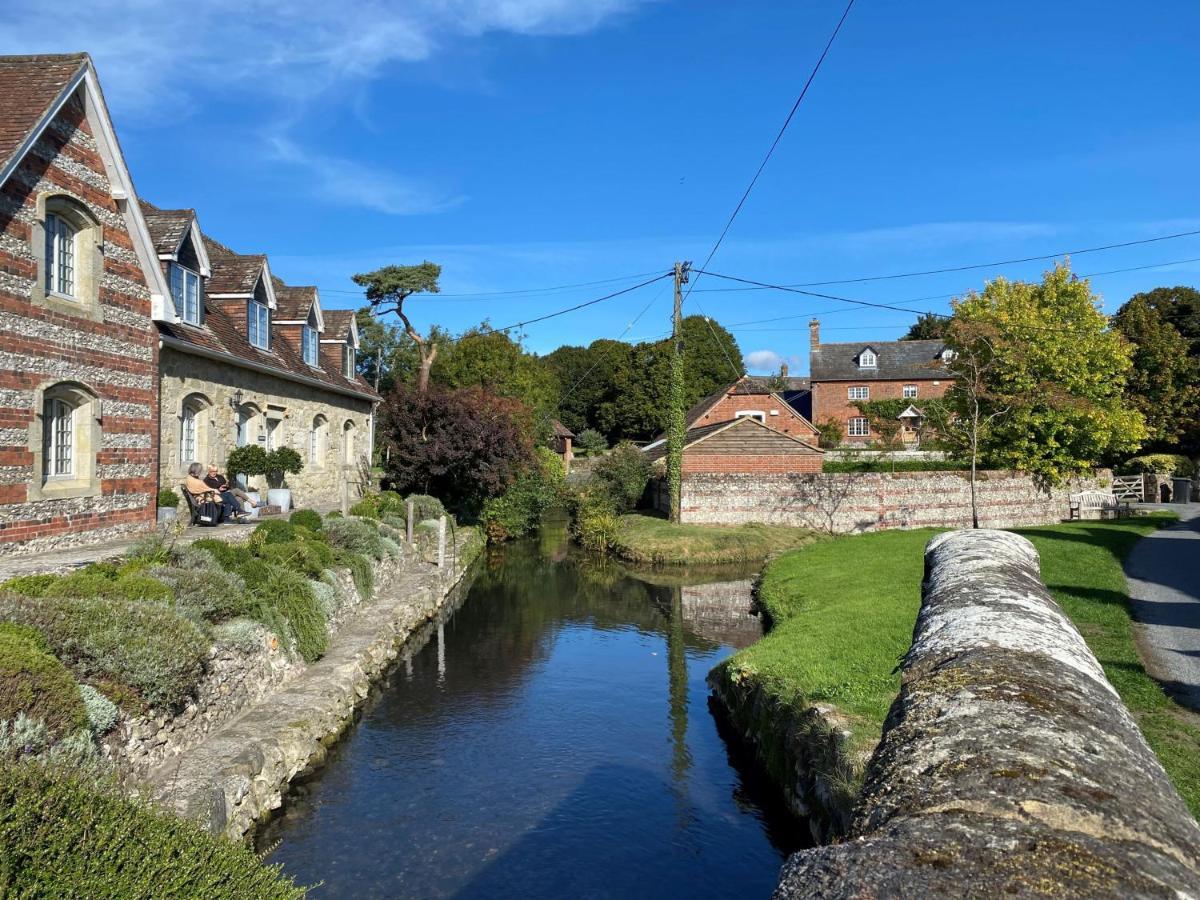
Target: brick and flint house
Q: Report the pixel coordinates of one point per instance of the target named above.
(130, 341)
(843, 375)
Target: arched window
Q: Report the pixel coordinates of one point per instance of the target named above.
(64, 438)
(68, 243)
(317, 438)
(193, 430)
(349, 451)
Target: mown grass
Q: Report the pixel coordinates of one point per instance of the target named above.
(654, 541)
(843, 611)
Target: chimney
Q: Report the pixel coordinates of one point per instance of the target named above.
(814, 334)
(783, 370)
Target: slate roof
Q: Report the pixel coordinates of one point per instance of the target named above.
(28, 86)
(897, 360)
(293, 303)
(167, 226)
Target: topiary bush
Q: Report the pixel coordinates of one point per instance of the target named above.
(62, 835)
(152, 650)
(624, 473)
(307, 518)
(167, 498)
(35, 683)
(357, 536)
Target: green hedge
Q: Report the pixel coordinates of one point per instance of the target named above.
(63, 837)
(35, 683)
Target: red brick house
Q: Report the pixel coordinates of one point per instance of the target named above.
(743, 445)
(80, 288)
(843, 374)
(763, 399)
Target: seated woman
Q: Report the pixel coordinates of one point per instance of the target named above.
(201, 492)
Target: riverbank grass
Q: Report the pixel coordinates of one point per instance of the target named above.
(843, 612)
(654, 541)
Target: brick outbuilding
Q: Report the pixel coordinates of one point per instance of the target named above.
(742, 446)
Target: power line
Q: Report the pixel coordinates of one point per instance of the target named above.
(489, 294)
(1003, 262)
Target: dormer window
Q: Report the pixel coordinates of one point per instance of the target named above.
(867, 359)
(185, 291)
(259, 325)
(947, 355)
(348, 361)
(308, 345)
(60, 256)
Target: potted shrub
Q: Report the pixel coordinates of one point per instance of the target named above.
(280, 463)
(168, 505)
(244, 463)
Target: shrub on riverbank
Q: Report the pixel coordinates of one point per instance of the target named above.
(650, 540)
(148, 649)
(843, 611)
(518, 510)
(623, 474)
(63, 835)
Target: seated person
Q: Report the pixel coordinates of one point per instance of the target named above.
(218, 482)
(202, 493)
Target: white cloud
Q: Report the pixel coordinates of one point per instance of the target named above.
(351, 183)
(149, 52)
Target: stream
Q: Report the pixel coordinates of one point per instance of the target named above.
(552, 736)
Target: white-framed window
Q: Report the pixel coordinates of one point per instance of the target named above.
(947, 355)
(751, 414)
(187, 434)
(309, 345)
(58, 434)
(858, 392)
(316, 441)
(259, 324)
(857, 427)
(60, 256)
(867, 359)
(348, 360)
(185, 291)
(910, 390)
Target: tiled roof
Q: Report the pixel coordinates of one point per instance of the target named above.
(658, 450)
(337, 323)
(28, 86)
(293, 303)
(561, 430)
(167, 226)
(232, 273)
(896, 360)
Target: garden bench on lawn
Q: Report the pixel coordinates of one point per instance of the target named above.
(1097, 501)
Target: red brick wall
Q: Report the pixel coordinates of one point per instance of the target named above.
(788, 420)
(831, 399)
(117, 359)
(751, 464)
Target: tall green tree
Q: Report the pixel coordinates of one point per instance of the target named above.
(494, 362)
(1164, 384)
(928, 327)
(388, 288)
(1179, 306)
(1055, 369)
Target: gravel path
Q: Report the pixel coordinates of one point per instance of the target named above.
(1164, 585)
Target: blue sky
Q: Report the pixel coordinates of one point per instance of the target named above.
(533, 143)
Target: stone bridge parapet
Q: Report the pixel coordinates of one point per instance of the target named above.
(1008, 763)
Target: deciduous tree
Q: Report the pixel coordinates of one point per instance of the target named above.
(929, 326)
(495, 362)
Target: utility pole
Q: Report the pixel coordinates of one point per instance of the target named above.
(676, 426)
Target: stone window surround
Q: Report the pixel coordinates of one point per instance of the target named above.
(318, 441)
(203, 407)
(89, 256)
(85, 482)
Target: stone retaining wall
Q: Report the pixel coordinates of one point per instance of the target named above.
(239, 771)
(862, 501)
(1008, 765)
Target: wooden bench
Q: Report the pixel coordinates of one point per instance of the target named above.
(1097, 501)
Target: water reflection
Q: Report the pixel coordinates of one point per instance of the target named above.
(524, 752)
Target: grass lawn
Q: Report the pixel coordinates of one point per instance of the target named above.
(844, 610)
(647, 539)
